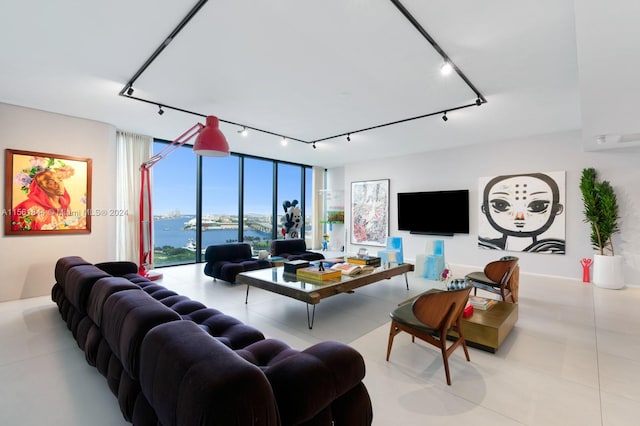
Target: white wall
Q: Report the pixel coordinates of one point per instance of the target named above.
(460, 168)
(27, 262)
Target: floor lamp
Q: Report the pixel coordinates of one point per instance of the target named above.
(210, 142)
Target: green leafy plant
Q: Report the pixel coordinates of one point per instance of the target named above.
(600, 210)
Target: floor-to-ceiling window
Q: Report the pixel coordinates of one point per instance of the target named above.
(309, 196)
(257, 203)
(174, 206)
(220, 189)
(238, 198)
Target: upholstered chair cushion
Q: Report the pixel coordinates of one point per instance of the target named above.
(225, 261)
(294, 249)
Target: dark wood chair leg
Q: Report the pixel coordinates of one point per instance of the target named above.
(392, 334)
(445, 360)
(461, 337)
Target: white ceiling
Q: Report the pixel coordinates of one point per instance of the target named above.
(310, 69)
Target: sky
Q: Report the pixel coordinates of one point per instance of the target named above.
(174, 183)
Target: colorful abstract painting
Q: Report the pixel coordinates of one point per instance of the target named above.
(370, 212)
(46, 193)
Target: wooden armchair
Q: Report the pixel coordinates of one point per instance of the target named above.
(430, 317)
(499, 277)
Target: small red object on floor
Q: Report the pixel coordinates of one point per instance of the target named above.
(468, 311)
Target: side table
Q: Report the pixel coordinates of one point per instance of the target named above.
(487, 330)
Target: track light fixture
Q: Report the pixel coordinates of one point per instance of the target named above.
(284, 141)
(243, 132)
(130, 91)
(478, 102)
(160, 110)
(313, 145)
(444, 116)
(349, 137)
(446, 68)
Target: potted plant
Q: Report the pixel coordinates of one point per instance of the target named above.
(601, 212)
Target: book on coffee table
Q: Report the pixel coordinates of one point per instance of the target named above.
(352, 269)
(313, 273)
(365, 260)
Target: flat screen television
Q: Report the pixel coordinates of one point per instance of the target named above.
(434, 212)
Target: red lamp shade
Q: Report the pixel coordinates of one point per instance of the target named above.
(210, 141)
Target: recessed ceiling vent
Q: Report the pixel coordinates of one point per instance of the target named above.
(617, 138)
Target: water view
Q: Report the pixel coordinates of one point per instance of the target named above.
(174, 237)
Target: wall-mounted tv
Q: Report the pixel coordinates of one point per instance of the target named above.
(434, 212)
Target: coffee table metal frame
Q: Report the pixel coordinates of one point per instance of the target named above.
(277, 281)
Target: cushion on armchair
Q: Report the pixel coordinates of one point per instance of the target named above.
(225, 261)
(293, 249)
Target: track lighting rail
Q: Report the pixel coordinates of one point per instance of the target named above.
(128, 89)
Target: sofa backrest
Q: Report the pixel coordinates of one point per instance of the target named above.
(64, 264)
(294, 246)
(229, 251)
(127, 316)
(118, 268)
(100, 292)
(190, 378)
(78, 283)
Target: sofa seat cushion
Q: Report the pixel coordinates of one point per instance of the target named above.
(156, 291)
(191, 378)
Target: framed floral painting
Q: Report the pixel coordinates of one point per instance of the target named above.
(370, 212)
(46, 194)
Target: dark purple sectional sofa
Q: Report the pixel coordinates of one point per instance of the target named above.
(171, 360)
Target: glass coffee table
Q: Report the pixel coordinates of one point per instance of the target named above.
(312, 292)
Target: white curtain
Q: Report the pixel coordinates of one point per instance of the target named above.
(317, 186)
(131, 151)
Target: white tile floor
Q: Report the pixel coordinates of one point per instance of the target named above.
(572, 358)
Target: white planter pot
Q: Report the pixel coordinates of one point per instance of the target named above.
(607, 271)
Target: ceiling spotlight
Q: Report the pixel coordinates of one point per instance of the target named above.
(284, 141)
(478, 102)
(160, 110)
(444, 116)
(349, 137)
(243, 132)
(313, 145)
(130, 91)
(446, 68)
